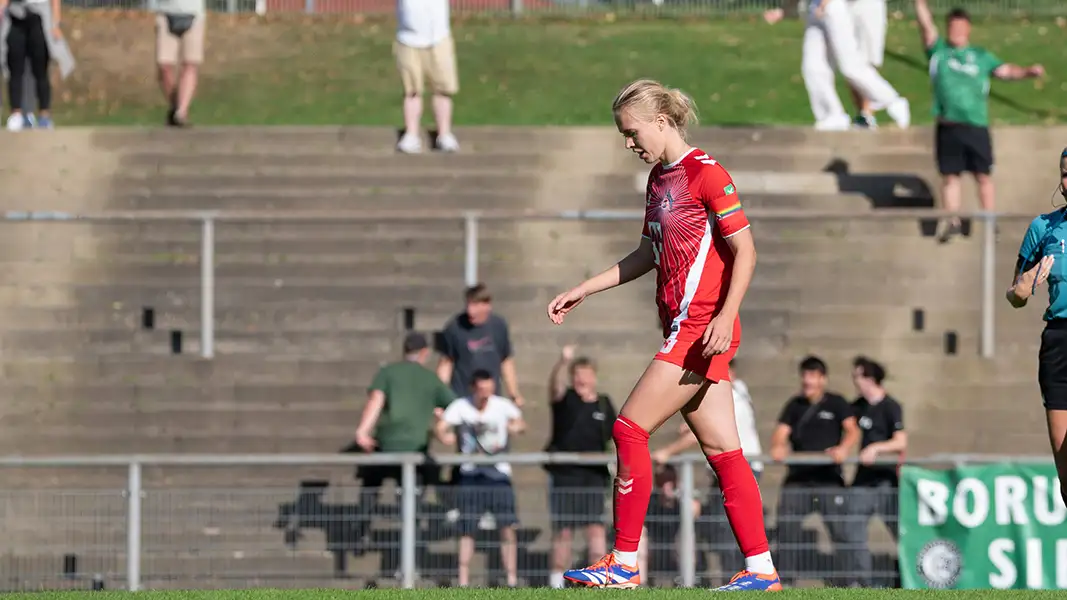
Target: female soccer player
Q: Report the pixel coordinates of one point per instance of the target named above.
(697, 239)
(1044, 241)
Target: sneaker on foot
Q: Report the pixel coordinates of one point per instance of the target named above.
(45, 123)
(409, 144)
(30, 121)
(865, 121)
(606, 573)
(900, 111)
(16, 122)
(747, 581)
(447, 143)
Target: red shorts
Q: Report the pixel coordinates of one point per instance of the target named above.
(685, 351)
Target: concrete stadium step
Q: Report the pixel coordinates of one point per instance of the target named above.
(310, 182)
(855, 166)
(56, 344)
(267, 161)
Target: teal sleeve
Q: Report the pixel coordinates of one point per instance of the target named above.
(1030, 249)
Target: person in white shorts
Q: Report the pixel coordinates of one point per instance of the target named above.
(832, 39)
(869, 18)
(425, 52)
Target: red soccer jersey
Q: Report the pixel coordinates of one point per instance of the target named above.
(691, 208)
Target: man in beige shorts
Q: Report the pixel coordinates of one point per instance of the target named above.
(180, 28)
(425, 53)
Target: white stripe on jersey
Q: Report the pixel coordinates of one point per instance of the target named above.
(692, 282)
(726, 237)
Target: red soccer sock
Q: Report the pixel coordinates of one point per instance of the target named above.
(742, 500)
(633, 483)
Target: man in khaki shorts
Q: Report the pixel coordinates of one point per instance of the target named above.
(425, 52)
(180, 28)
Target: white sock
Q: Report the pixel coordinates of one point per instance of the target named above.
(627, 558)
(555, 580)
(760, 563)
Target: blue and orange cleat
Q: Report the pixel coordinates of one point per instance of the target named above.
(606, 573)
(747, 581)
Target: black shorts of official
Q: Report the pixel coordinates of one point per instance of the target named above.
(1052, 365)
(963, 148)
(576, 501)
(478, 494)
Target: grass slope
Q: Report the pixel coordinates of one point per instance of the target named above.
(339, 70)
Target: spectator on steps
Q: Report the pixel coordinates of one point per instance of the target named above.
(813, 421)
(477, 339)
(180, 28)
(425, 51)
(398, 417)
(481, 423)
(960, 74)
(30, 38)
(874, 488)
(581, 422)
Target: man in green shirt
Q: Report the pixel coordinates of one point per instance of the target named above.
(961, 76)
(403, 401)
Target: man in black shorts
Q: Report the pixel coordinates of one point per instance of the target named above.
(581, 422)
(961, 75)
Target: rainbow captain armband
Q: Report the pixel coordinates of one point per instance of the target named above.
(729, 210)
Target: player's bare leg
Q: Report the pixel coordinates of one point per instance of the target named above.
(662, 391)
(951, 200)
(710, 415)
(411, 141)
(1057, 433)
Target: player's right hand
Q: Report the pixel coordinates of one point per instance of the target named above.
(565, 303)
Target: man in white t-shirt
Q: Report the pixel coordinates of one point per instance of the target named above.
(482, 424)
(425, 51)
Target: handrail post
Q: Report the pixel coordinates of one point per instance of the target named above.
(408, 507)
(989, 273)
(133, 527)
(687, 533)
(207, 287)
(470, 257)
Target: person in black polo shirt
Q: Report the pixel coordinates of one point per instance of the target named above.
(581, 422)
(815, 421)
(874, 488)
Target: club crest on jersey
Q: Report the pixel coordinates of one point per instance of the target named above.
(668, 202)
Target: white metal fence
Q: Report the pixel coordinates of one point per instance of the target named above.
(142, 524)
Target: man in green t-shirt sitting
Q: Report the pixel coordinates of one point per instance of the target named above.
(403, 402)
(960, 74)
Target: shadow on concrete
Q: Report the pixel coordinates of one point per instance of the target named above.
(887, 190)
(342, 524)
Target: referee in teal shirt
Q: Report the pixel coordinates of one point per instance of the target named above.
(1041, 258)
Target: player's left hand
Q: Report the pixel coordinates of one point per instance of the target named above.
(718, 336)
(565, 303)
(1036, 71)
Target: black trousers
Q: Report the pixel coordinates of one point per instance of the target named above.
(26, 41)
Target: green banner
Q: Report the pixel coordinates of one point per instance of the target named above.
(1000, 526)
